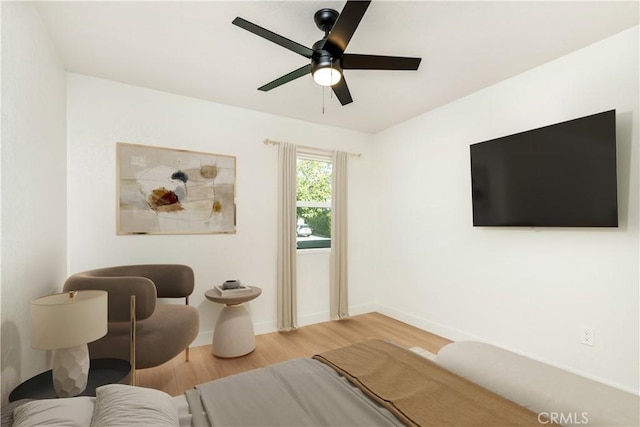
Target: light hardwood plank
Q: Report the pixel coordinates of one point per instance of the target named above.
(177, 375)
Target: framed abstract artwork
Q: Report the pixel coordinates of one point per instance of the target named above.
(167, 191)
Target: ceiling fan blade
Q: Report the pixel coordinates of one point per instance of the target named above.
(352, 61)
(342, 92)
(346, 25)
(273, 37)
(286, 78)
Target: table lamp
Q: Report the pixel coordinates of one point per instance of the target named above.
(65, 323)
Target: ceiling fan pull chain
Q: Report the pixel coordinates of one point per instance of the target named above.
(323, 87)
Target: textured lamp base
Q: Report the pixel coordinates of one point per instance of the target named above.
(70, 370)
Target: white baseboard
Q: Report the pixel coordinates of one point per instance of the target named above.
(427, 325)
(206, 337)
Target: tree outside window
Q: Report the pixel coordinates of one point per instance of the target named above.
(313, 203)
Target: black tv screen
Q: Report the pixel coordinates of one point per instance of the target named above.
(562, 175)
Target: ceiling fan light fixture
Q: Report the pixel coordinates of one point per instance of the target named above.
(326, 70)
(327, 76)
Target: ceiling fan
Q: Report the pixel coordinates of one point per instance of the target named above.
(327, 56)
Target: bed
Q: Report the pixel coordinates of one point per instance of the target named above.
(373, 383)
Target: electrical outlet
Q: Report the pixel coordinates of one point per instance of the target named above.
(586, 336)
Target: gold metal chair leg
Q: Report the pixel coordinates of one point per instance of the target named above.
(132, 339)
(186, 351)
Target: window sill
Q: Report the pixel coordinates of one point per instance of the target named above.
(311, 251)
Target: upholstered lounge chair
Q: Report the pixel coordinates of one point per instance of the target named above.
(162, 330)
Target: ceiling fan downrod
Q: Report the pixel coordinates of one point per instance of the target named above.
(324, 19)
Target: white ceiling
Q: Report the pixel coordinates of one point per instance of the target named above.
(192, 49)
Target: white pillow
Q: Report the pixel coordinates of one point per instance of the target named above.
(125, 405)
(71, 411)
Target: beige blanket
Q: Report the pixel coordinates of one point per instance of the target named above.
(419, 392)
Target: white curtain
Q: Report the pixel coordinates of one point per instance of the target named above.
(339, 303)
(287, 217)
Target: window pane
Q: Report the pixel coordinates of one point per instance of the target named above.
(314, 203)
(314, 228)
(314, 180)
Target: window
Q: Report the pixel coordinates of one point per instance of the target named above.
(313, 201)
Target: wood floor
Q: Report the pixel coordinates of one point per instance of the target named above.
(177, 375)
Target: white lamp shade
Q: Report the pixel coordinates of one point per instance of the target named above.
(327, 76)
(62, 321)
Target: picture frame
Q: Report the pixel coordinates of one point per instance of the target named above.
(172, 191)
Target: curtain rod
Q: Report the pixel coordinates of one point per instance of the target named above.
(324, 150)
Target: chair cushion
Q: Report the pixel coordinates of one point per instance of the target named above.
(159, 338)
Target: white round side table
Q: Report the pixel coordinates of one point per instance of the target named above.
(233, 335)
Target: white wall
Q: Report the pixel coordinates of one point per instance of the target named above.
(33, 261)
(527, 289)
(101, 113)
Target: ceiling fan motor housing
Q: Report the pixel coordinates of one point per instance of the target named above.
(324, 59)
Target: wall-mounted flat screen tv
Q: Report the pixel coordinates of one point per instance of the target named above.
(562, 175)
